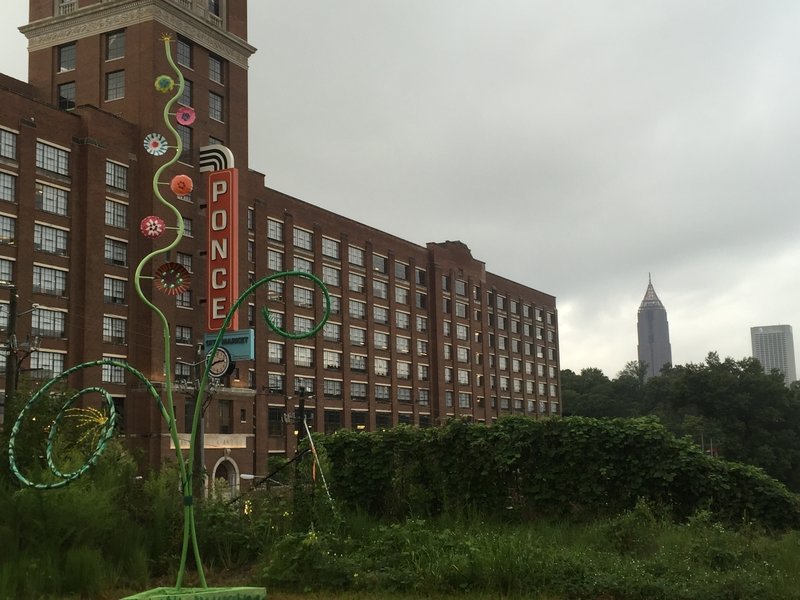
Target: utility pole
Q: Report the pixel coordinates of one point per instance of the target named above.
(199, 447)
(11, 340)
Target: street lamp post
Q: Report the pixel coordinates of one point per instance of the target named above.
(11, 355)
(13, 358)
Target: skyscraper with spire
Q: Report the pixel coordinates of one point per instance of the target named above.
(654, 347)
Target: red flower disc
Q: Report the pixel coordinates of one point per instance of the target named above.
(181, 185)
(152, 226)
(172, 278)
(185, 115)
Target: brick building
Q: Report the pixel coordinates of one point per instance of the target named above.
(417, 334)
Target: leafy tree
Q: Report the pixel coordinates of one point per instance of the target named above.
(727, 407)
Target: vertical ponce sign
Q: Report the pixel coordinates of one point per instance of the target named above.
(223, 235)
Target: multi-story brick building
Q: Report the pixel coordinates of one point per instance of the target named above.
(416, 335)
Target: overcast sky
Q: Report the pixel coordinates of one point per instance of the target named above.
(574, 146)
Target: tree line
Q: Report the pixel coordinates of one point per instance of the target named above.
(729, 408)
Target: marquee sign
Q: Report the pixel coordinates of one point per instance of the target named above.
(223, 235)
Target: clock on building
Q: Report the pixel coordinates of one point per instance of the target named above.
(220, 363)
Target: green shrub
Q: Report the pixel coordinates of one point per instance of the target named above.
(574, 467)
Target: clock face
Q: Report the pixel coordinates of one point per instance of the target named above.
(219, 362)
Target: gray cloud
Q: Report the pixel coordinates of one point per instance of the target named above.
(574, 146)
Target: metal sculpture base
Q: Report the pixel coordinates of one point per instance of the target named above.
(228, 593)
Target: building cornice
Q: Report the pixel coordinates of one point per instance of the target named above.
(116, 14)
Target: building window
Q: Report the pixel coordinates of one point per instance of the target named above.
(401, 295)
(333, 418)
(275, 382)
(332, 360)
(422, 324)
(7, 270)
(355, 256)
(403, 345)
(183, 52)
(51, 281)
(225, 416)
(66, 96)
(303, 297)
(185, 135)
(50, 239)
(116, 175)
(383, 393)
(8, 226)
(358, 420)
(383, 420)
(330, 248)
(215, 106)
(379, 263)
(275, 353)
(303, 356)
(332, 332)
(380, 289)
(184, 299)
(464, 400)
(275, 422)
(401, 271)
(381, 367)
(331, 388)
(358, 390)
(420, 277)
(381, 340)
(422, 372)
(422, 348)
(336, 305)
(275, 260)
(115, 44)
(303, 239)
(46, 365)
(358, 336)
(50, 158)
(186, 96)
(116, 214)
(116, 252)
(48, 323)
(423, 397)
(301, 264)
(113, 373)
(8, 144)
(185, 260)
(380, 314)
(461, 287)
(114, 290)
(274, 230)
(358, 363)
(302, 324)
(358, 310)
(331, 276)
(183, 334)
(115, 85)
(402, 320)
(215, 72)
(66, 58)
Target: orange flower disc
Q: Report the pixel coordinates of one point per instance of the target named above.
(181, 185)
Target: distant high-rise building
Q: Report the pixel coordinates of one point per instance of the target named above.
(654, 347)
(773, 345)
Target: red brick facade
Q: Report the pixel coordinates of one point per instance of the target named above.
(419, 334)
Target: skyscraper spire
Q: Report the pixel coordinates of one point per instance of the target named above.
(654, 348)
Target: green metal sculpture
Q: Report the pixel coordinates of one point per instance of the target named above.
(170, 278)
